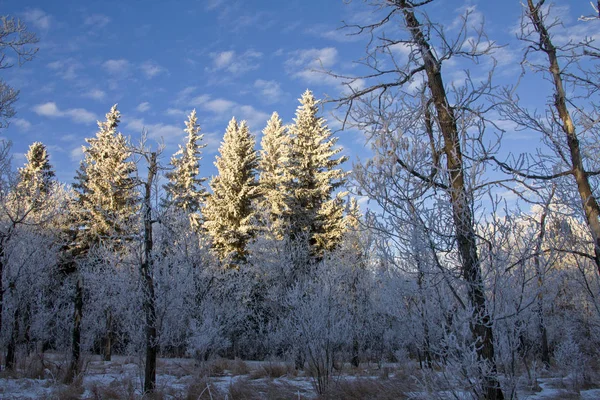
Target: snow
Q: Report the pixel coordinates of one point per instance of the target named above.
(123, 377)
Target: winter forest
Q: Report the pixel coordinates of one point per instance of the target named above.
(441, 264)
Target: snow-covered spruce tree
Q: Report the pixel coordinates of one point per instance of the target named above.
(313, 210)
(184, 189)
(105, 191)
(228, 215)
(106, 205)
(37, 176)
(273, 175)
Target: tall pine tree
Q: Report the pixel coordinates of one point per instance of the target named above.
(229, 217)
(184, 189)
(105, 190)
(314, 213)
(273, 175)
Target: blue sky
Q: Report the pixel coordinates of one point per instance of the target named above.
(160, 59)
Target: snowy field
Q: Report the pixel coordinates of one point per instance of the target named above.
(180, 378)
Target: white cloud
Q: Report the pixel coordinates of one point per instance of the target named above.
(117, 67)
(256, 119)
(76, 153)
(307, 65)
(97, 20)
(270, 90)
(38, 18)
(218, 106)
(81, 115)
(212, 140)
(357, 84)
(174, 112)
(223, 59)
(143, 107)
(223, 108)
(22, 124)
(166, 132)
(469, 15)
(95, 94)
(235, 63)
(151, 69)
(337, 35)
(50, 109)
(212, 4)
(66, 69)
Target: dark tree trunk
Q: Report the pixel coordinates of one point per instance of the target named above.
(11, 349)
(426, 340)
(108, 338)
(147, 280)
(73, 369)
(462, 213)
(588, 200)
(545, 352)
(355, 360)
(2, 240)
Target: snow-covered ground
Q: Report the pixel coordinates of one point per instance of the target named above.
(180, 378)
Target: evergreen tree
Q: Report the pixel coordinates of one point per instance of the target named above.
(272, 178)
(184, 189)
(37, 176)
(105, 190)
(313, 177)
(228, 216)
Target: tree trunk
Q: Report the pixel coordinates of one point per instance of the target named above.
(147, 280)
(545, 352)
(462, 213)
(588, 200)
(76, 335)
(423, 312)
(11, 350)
(2, 240)
(108, 337)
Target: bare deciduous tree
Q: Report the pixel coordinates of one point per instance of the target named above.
(427, 139)
(14, 38)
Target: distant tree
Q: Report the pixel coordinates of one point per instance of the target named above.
(14, 37)
(229, 217)
(313, 210)
(184, 189)
(273, 174)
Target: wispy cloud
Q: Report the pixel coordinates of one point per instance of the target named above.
(22, 124)
(76, 153)
(50, 109)
(270, 90)
(307, 64)
(95, 94)
(151, 69)
(235, 63)
(221, 108)
(336, 35)
(174, 112)
(66, 69)
(118, 67)
(143, 107)
(37, 18)
(97, 20)
(213, 4)
(159, 131)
